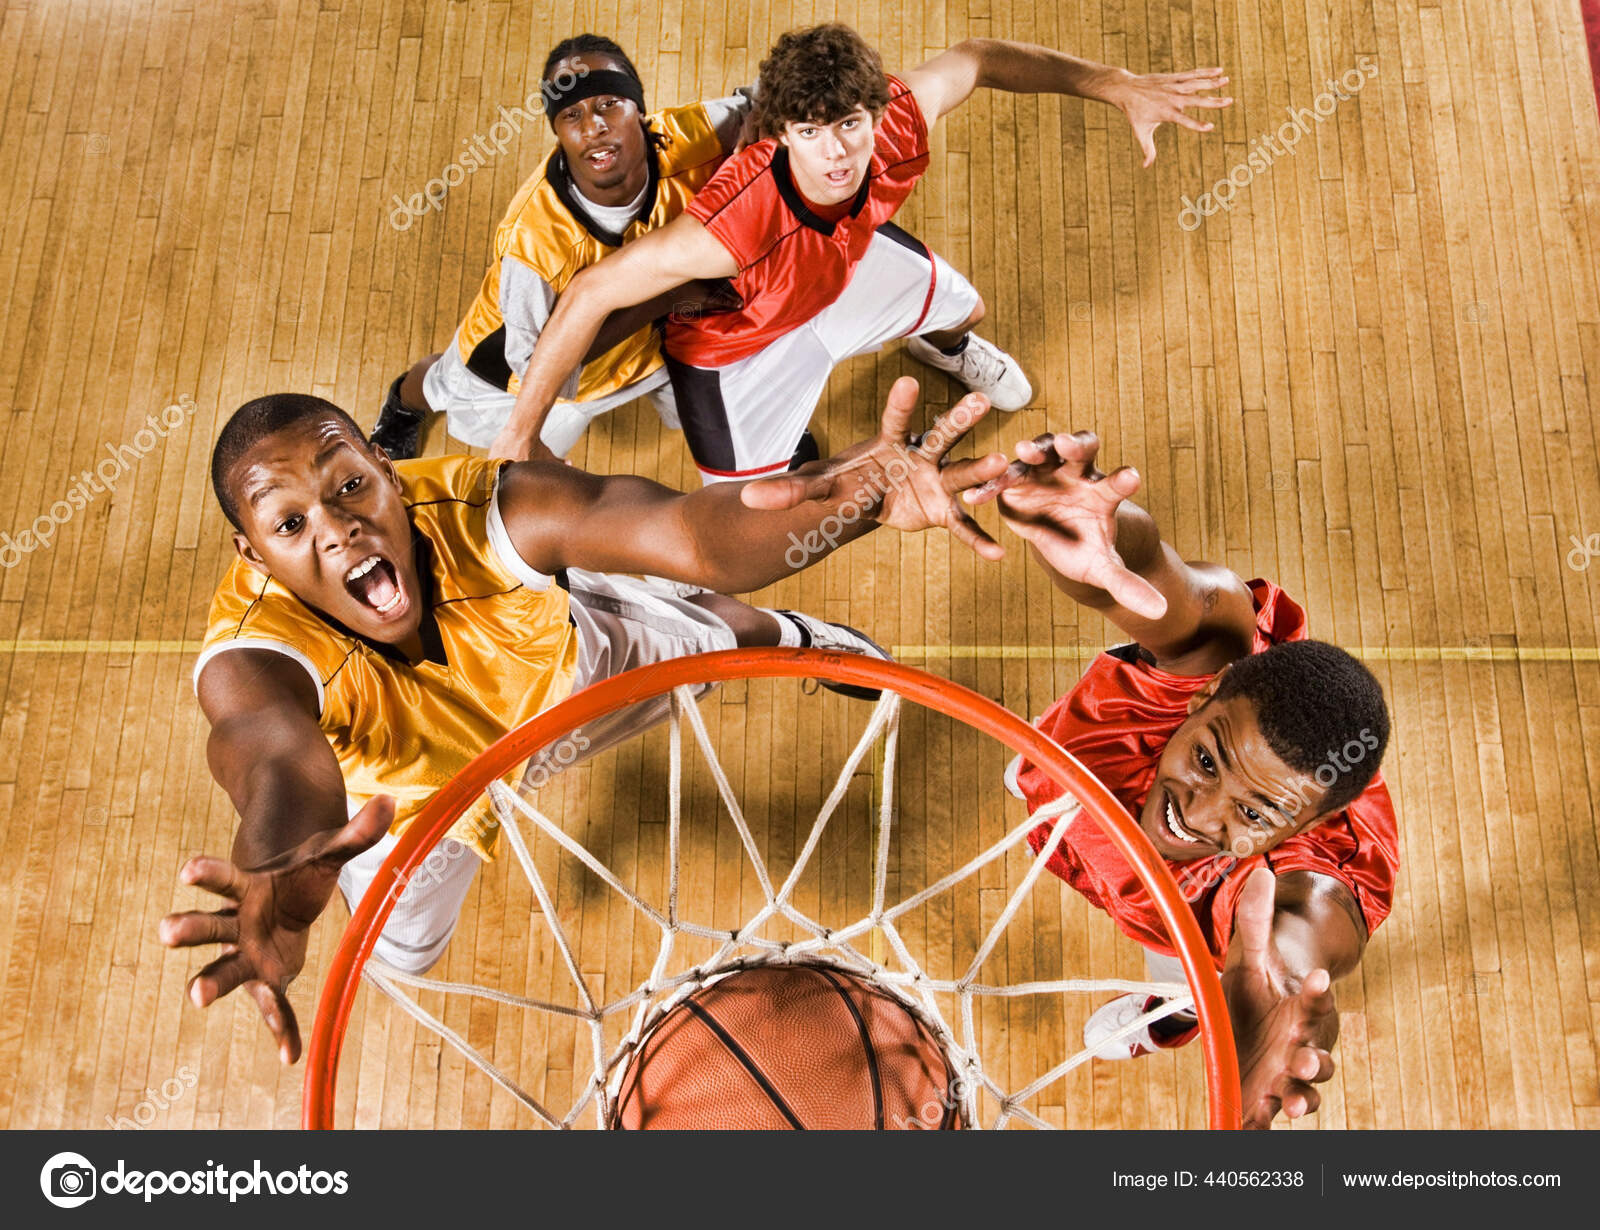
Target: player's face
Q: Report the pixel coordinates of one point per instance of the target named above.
(829, 161)
(324, 517)
(1220, 786)
(603, 139)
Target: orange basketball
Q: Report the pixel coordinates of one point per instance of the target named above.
(788, 1046)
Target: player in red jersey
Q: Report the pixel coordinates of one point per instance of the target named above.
(1248, 754)
(800, 223)
(617, 170)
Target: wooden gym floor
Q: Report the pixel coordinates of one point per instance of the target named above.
(1376, 379)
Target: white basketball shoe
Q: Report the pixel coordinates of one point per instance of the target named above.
(1123, 1011)
(982, 366)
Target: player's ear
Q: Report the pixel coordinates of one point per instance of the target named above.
(248, 554)
(1200, 698)
(381, 460)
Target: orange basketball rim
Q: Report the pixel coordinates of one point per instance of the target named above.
(338, 995)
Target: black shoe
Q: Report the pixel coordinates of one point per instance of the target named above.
(398, 428)
(806, 450)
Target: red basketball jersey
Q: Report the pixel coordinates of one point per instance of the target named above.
(792, 263)
(1117, 720)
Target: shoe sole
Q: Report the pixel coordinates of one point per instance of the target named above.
(852, 690)
(930, 360)
(1023, 405)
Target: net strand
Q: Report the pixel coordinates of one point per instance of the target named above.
(498, 795)
(725, 790)
(380, 976)
(507, 802)
(674, 802)
(886, 710)
(1023, 890)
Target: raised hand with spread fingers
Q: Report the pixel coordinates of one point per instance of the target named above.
(898, 478)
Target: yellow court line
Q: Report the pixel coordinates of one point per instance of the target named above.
(1416, 653)
(90, 646)
(1474, 653)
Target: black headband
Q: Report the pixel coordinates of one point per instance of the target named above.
(567, 87)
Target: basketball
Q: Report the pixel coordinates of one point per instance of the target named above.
(788, 1047)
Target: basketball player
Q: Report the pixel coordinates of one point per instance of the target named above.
(1249, 755)
(383, 623)
(616, 173)
(800, 223)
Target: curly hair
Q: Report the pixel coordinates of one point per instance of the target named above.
(1312, 701)
(819, 75)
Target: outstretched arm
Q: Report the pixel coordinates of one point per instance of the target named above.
(737, 537)
(652, 265)
(1293, 936)
(1148, 100)
(1107, 553)
(268, 752)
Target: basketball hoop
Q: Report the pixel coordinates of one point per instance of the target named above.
(900, 973)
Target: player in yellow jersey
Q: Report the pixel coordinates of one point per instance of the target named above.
(384, 622)
(616, 173)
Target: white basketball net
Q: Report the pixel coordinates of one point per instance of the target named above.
(840, 947)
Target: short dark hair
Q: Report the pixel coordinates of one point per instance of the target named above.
(599, 44)
(821, 74)
(255, 421)
(1313, 700)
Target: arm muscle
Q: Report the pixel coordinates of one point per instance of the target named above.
(268, 752)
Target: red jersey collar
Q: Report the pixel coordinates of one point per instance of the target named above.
(783, 178)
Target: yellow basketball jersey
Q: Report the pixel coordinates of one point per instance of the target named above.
(508, 651)
(547, 232)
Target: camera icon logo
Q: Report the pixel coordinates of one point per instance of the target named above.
(68, 1180)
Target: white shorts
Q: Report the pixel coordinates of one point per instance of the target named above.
(476, 410)
(745, 418)
(622, 622)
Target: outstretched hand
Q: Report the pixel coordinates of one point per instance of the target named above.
(265, 931)
(897, 479)
(1152, 99)
(1053, 496)
(1283, 1033)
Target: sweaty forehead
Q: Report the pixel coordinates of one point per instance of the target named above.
(298, 451)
